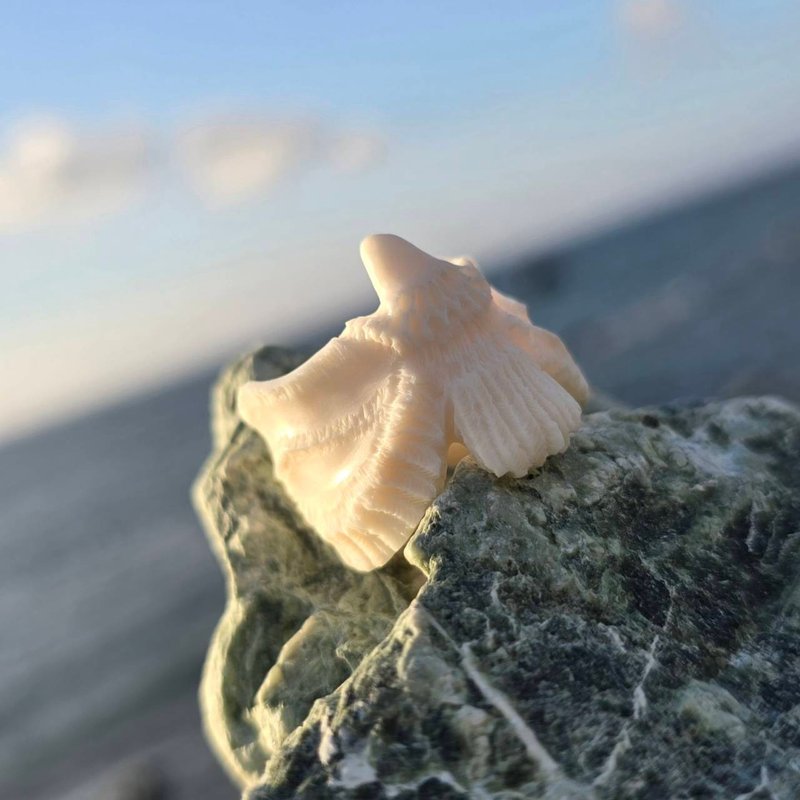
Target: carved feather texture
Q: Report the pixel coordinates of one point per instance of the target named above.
(360, 433)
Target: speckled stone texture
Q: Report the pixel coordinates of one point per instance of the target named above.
(622, 623)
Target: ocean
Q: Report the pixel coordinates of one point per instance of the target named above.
(108, 590)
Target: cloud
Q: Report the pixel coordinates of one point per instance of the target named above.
(650, 20)
(51, 173)
(233, 158)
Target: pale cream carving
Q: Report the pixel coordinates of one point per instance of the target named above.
(360, 433)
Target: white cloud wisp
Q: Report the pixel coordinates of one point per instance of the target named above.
(51, 173)
(230, 159)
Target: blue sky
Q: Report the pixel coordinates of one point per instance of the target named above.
(344, 57)
(178, 180)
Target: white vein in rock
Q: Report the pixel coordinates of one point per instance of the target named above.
(623, 742)
(535, 749)
(639, 697)
(763, 784)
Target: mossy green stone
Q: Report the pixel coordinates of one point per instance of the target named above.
(622, 623)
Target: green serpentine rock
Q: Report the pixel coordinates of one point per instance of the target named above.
(622, 623)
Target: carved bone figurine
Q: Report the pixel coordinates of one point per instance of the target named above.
(360, 433)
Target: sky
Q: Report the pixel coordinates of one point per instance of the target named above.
(182, 180)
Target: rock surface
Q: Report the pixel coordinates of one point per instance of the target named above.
(622, 623)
